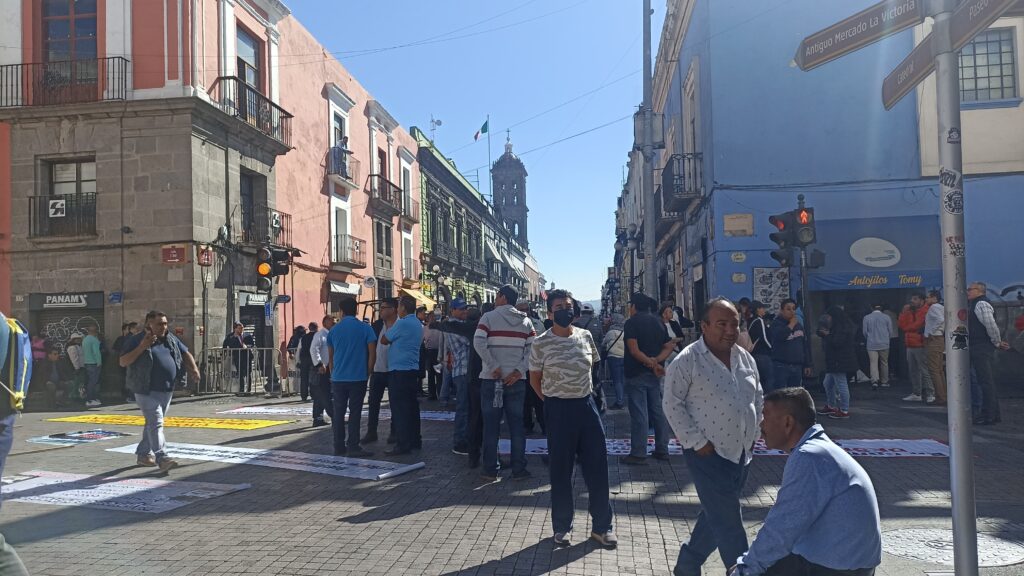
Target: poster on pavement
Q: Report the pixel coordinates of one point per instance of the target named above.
(874, 448)
(147, 495)
(173, 421)
(317, 463)
(76, 438)
(440, 416)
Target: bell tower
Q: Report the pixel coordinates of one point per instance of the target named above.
(508, 176)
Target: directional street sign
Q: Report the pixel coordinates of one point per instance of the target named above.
(972, 17)
(857, 31)
(914, 68)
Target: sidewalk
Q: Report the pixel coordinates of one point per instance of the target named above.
(443, 519)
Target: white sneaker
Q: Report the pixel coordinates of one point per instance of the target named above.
(930, 399)
(912, 398)
(92, 403)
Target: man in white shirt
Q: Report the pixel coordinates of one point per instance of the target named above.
(935, 344)
(713, 401)
(878, 334)
(320, 373)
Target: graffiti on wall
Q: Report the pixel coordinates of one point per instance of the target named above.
(58, 332)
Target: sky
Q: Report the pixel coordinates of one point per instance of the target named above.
(548, 70)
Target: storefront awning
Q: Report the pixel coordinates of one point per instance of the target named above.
(421, 298)
(493, 251)
(878, 253)
(344, 288)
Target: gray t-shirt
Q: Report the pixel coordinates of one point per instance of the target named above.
(565, 362)
(381, 363)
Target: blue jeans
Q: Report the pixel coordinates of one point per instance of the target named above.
(976, 394)
(837, 391)
(513, 400)
(92, 383)
(616, 370)
(461, 408)
(347, 395)
(447, 386)
(645, 399)
(9, 561)
(576, 431)
(154, 409)
(766, 372)
(719, 483)
(787, 376)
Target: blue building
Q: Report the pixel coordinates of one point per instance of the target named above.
(746, 131)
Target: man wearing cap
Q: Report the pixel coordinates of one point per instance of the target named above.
(457, 347)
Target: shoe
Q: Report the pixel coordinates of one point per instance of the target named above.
(912, 398)
(561, 539)
(359, 453)
(149, 461)
(461, 450)
(839, 414)
(874, 385)
(167, 463)
(634, 460)
(885, 385)
(523, 475)
(318, 423)
(369, 438)
(663, 456)
(488, 478)
(304, 398)
(396, 452)
(606, 539)
(92, 403)
(826, 409)
(930, 400)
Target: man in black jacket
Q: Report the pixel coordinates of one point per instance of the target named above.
(838, 336)
(788, 342)
(305, 360)
(762, 351)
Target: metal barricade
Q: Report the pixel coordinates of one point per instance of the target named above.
(245, 371)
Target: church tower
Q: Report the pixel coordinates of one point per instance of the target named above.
(508, 176)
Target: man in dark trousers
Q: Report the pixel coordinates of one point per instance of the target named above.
(647, 347)
(475, 429)
(983, 341)
(240, 347)
(404, 339)
(379, 376)
(305, 361)
(789, 345)
(320, 373)
(352, 347)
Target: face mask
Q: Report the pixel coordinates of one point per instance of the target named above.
(564, 317)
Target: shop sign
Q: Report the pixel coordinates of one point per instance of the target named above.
(66, 300)
(875, 252)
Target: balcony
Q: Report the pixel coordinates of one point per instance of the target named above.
(264, 224)
(66, 82)
(410, 269)
(382, 267)
(410, 210)
(348, 251)
(244, 102)
(343, 168)
(64, 215)
(665, 218)
(385, 196)
(682, 178)
(446, 252)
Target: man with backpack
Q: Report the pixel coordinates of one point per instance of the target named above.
(14, 343)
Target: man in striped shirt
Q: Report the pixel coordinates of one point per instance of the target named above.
(503, 339)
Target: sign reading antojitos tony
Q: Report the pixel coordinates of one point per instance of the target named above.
(864, 28)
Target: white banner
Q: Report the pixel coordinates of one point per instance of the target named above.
(129, 494)
(871, 448)
(318, 463)
(76, 438)
(385, 414)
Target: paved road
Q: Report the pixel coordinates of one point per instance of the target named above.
(443, 519)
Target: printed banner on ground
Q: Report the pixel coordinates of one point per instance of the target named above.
(385, 414)
(871, 448)
(128, 494)
(76, 438)
(173, 421)
(318, 463)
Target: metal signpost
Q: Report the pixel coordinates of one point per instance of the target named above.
(955, 24)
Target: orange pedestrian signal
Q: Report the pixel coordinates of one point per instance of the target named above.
(804, 216)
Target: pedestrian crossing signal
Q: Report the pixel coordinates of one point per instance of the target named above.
(265, 269)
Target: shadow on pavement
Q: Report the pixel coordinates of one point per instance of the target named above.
(534, 555)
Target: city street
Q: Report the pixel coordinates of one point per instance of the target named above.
(443, 519)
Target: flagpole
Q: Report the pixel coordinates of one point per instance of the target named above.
(490, 177)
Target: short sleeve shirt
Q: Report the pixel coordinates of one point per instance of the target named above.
(650, 336)
(565, 363)
(165, 372)
(349, 339)
(405, 336)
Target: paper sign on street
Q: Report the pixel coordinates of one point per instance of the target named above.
(173, 421)
(864, 28)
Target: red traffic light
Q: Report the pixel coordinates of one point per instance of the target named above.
(804, 216)
(778, 222)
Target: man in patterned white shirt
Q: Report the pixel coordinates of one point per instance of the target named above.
(713, 401)
(560, 373)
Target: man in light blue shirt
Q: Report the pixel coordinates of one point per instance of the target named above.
(403, 340)
(352, 349)
(825, 518)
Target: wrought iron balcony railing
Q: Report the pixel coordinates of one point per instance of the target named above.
(265, 224)
(349, 251)
(64, 82)
(62, 215)
(385, 196)
(682, 180)
(410, 209)
(246, 103)
(343, 167)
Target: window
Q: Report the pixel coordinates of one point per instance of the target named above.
(68, 206)
(382, 245)
(338, 131)
(69, 30)
(249, 58)
(72, 177)
(988, 68)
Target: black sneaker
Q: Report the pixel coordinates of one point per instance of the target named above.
(319, 422)
(522, 475)
(369, 438)
(634, 460)
(663, 456)
(359, 453)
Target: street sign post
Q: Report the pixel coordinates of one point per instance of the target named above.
(954, 27)
(864, 28)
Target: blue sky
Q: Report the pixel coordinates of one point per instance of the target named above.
(514, 61)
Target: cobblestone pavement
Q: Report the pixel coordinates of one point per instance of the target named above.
(443, 519)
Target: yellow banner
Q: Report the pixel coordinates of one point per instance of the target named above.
(173, 421)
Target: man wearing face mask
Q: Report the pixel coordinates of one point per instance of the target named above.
(560, 364)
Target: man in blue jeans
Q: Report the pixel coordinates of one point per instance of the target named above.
(457, 347)
(403, 340)
(647, 346)
(93, 365)
(503, 339)
(714, 401)
(789, 346)
(352, 350)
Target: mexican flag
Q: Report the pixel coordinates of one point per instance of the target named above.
(482, 130)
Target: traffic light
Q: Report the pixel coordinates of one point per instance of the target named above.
(785, 237)
(281, 262)
(805, 231)
(265, 269)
